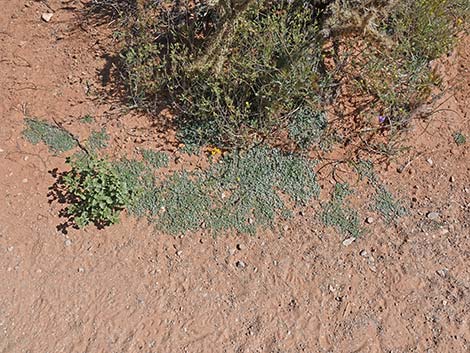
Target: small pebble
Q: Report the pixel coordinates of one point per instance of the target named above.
(430, 162)
(432, 215)
(179, 252)
(370, 220)
(10, 249)
(81, 269)
(67, 242)
(442, 272)
(349, 241)
(240, 264)
(364, 253)
(47, 16)
(240, 247)
(452, 179)
(25, 181)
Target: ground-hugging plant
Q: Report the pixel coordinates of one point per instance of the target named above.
(56, 138)
(96, 192)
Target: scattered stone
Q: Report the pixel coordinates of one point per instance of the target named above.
(444, 231)
(442, 272)
(349, 241)
(25, 181)
(179, 252)
(430, 162)
(47, 16)
(364, 253)
(10, 249)
(452, 179)
(240, 247)
(81, 269)
(370, 220)
(372, 267)
(432, 215)
(67, 242)
(240, 264)
(2, 150)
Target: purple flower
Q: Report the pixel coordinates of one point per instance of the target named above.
(382, 119)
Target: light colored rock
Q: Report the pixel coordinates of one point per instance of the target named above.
(46, 16)
(349, 241)
(432, 215)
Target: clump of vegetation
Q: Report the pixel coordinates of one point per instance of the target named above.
(246, 188)
(386, 48)
(95, 191)
(234, 73)
(307, 127)
(337, 212)
(57, 139)
(387, 206)
(156, 159)
(459, 138)
(245, 70)
(98, 140)
(241, 192)
(87, 119)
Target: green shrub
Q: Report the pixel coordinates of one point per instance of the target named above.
(231, 77)
(96, 192)
(388, 47)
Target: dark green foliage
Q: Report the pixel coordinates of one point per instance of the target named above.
(98, 140)
(95, 190)
(87, 119)
(156, 159)
(337, 213)
(57, 139)
(232, 79)
(240, 71)
(459, 138)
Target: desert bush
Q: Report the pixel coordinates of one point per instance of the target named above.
(232, 76)
(240, 71)
(387, 47)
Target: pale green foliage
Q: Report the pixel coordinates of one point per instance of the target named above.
(57, 139)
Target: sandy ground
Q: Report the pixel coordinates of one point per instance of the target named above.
(400, 288)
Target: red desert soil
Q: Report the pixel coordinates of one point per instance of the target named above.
(400, 288)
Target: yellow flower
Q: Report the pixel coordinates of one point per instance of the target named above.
(214, 151)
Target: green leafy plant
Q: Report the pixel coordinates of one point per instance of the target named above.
(57, 139)
(459, 138)
(96, 192)
(87, 119)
